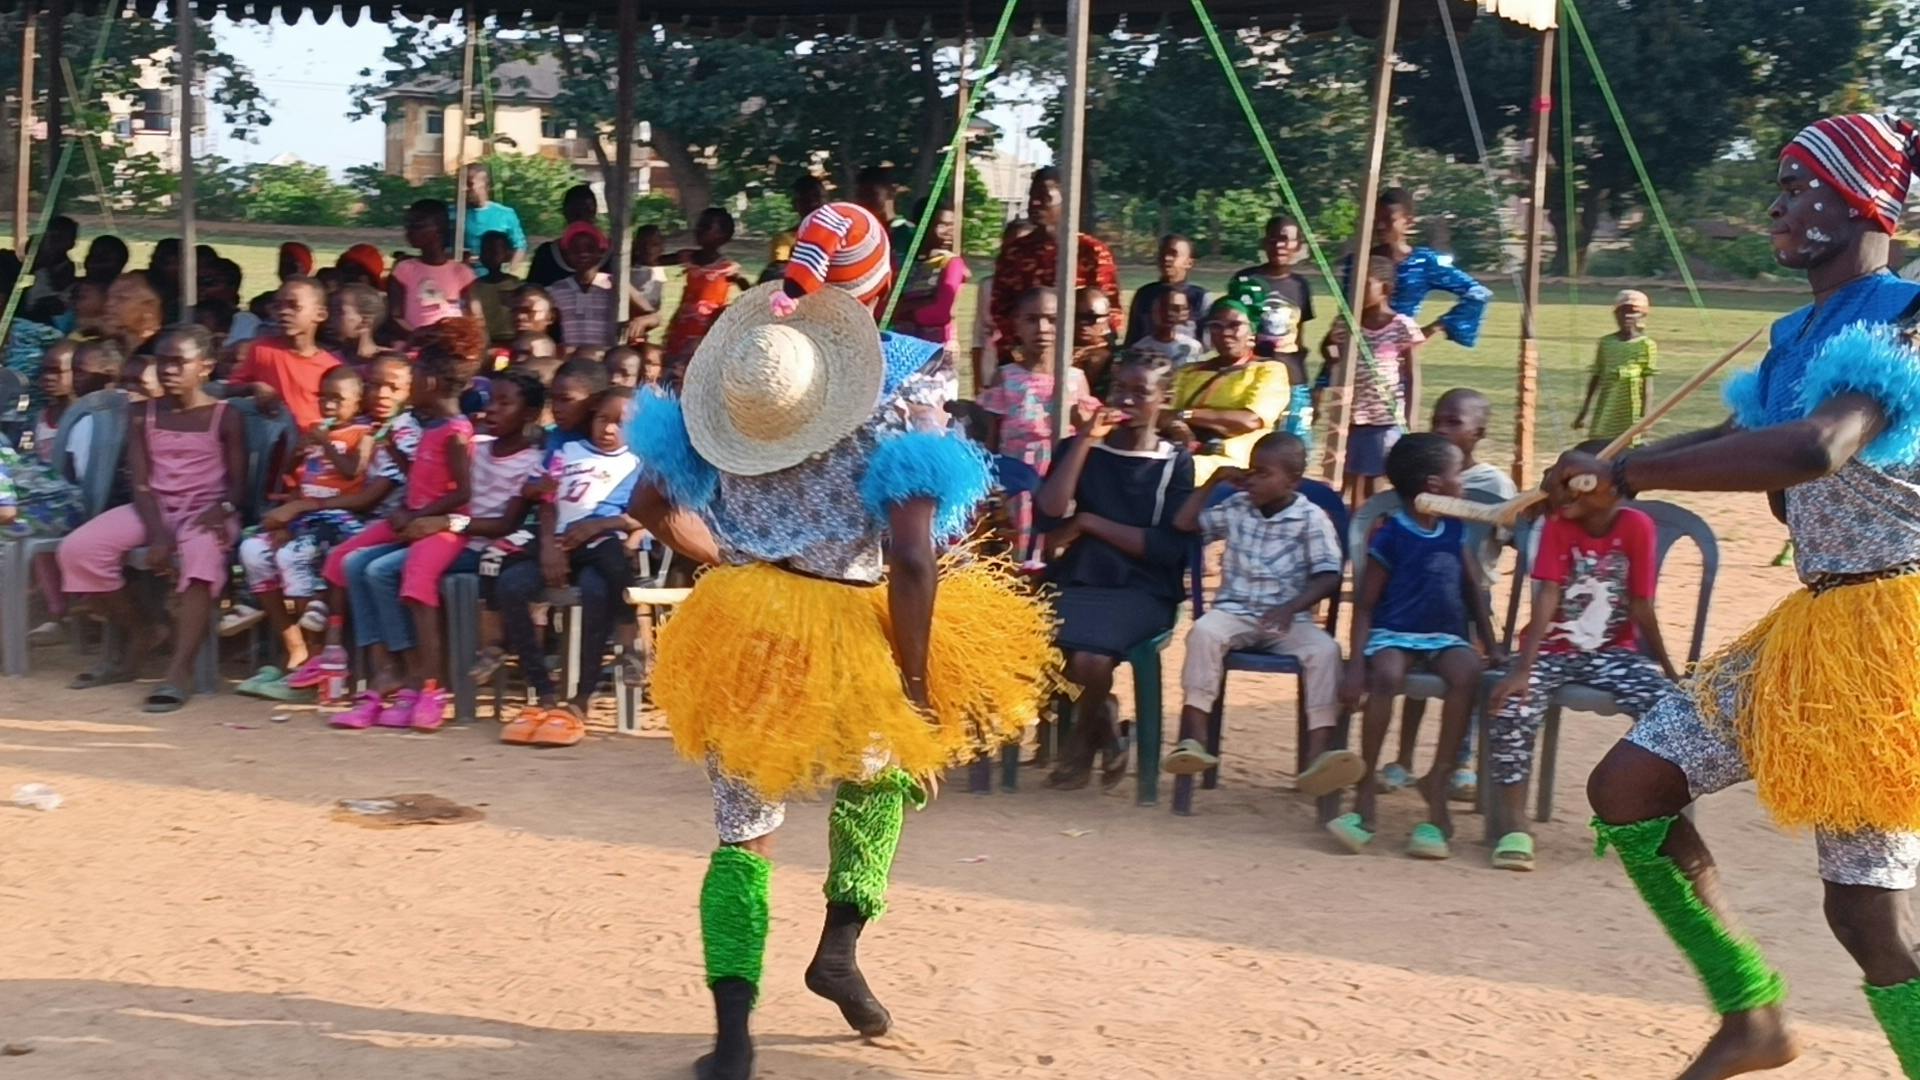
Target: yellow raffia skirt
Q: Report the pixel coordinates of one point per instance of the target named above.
(1826, 692)
(788, 683)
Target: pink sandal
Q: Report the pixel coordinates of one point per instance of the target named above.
(429, 712)
(399, 711)
(364, 714)
(328, 661)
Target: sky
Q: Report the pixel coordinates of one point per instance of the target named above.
(307, 70)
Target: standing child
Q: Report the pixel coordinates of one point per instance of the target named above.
(432, 285)
(583, 300)
(1385, 388)
(493, 286)
(1093, 351)
(1282, 560)
(1593, 624)
(1021, 404)
(583, 529)
(1170, 340)
(187, 453)
(933, 288)
(653, 367)
(1623, 370)
(649, 279)
(1415, 601)
(285, 558)
(1176, 262)
(711, 278)
(1286, 300)
(392, 570)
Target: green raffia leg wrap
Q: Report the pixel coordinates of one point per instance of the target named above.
(1898, 1010)
(863, 832)
(1736, 976)
(733, 914)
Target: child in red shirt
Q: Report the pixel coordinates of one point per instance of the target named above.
(286, 370)
(1593, 624)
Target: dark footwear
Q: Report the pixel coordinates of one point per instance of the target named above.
(164, 699)
(486, 665)
(1070, 776)
(835, 973)
(104, 675)
(732, 1056)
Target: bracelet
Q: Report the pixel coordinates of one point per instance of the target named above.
(1620, 484)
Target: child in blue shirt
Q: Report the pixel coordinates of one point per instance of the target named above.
(1416, 595)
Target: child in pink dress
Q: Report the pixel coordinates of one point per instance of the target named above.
(1022, 404)
(432, 285)
(187, 454)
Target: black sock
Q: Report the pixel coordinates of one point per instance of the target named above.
(835, 972)
(732, 1057)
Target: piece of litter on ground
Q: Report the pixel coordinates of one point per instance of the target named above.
(280, 717)
(36, 797)
(974, 859)
(237, 727)
(394, 811)
(1076, 833)
(15, 1050)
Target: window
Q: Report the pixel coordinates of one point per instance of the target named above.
(436, 121)
(152, 112)
(552, 128)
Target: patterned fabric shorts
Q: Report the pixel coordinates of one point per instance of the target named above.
(1706, 750)
(740, 814)
(1381, 640)
(1635, 682)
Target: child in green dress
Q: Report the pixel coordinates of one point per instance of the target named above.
(1623, 370)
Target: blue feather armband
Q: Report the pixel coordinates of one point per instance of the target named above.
(1875, 361)
(948, 469)
(1743, 398)
(657, 435)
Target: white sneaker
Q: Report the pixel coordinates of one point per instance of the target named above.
(51, 632)
(239, 619)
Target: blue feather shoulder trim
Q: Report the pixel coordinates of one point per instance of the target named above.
(1875, 361)
(1742, 397)
(948, 469)
(657, 434)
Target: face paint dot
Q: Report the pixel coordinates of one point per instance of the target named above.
(1815, 182)
(1819, 206)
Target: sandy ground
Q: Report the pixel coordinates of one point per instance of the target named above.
(194, 911)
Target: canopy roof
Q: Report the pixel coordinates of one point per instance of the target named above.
(874, 18)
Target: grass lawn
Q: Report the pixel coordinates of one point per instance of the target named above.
(1687, 338)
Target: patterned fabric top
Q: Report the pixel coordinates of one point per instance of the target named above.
(1862, 518)
(809, 518)
(1031, 261)
(1620, 373)
(1424, 271)
(1268, 559)
(1379, 388)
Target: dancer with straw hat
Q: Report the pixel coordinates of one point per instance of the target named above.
(828, 646)
(1819, 703)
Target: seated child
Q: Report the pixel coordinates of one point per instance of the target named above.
(57, 390)
(653, 367)
(392, 569)
(1169, 339)
(570, 394)
(354, 317)
(1414, 602)
(285, 557)
(583, 526)
(188, 453)
(623, 366)
(1282, 559)
(509, 465)
(533, 312)
(34, 500)
(285, 370)
(1593, 624)
(532, 346)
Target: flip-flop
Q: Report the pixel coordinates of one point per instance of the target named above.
(99, 676)
(255, 683)
(165, 698)
(1353, 835)
(1393, 778)
(486, 665)
(1428, 842)
(1514, 852)
(1331, 772)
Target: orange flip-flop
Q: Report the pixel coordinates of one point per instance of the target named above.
(563, 727)
(519, 731)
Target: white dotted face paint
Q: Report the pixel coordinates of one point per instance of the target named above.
(1819, 206)
(1818, 237)
(1815, 182)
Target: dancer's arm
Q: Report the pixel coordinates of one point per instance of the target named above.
(912, 579)
(681, 530)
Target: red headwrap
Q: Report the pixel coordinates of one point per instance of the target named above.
(302, 257)
(1868, 160)
(367, 258)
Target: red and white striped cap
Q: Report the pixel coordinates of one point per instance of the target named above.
(1870, 160)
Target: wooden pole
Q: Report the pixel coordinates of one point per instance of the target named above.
(619, 191)
(184, 67)
(960, 163)
(23, 162)
(1336, 404)
(1527, 393)
(460, 152)
(1073, 135)
(56, 110)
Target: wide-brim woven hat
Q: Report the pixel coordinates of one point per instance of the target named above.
(763, 394)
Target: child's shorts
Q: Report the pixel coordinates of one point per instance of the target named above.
(1367, 446)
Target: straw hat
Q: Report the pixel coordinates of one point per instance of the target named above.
(764, 394)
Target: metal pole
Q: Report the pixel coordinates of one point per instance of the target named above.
(619, 191)
(56, 55)
(184, 61)
(1336, 403)
(1073, 135)
(460, 153)
(1528, 393)
(22, 166)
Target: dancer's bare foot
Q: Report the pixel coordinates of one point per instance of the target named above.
(1747, 1042)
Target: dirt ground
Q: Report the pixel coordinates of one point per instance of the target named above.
(195, 911)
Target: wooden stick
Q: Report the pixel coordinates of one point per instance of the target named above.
(1508, 512)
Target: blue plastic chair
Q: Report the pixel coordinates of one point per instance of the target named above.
(1255, 661)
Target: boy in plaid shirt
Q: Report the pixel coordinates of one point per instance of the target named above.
(1282, 560)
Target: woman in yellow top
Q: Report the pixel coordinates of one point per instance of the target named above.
(1623, 370)
(1228, 401)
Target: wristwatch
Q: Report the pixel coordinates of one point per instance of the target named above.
(227, 506)
(1185, 416)
(457, 523)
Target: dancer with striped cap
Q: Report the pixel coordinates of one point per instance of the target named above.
(845, 245)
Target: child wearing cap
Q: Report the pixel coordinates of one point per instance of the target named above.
(1623, 370)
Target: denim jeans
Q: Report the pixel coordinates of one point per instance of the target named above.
(373, 594)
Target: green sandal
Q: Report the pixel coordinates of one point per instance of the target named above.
(1514, 852)
(1428, 842)
(1352, 834)
(253, 685)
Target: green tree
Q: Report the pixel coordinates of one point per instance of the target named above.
(296, 194)
(533, 185)
(384, 197)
